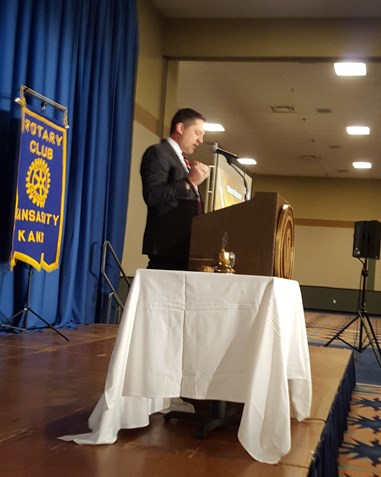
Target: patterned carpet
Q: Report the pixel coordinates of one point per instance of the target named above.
(360, 453)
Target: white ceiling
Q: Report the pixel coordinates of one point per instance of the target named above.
(308, 142)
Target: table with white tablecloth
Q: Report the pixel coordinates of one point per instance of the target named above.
(237, 338)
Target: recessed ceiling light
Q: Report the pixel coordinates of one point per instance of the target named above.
(247, 161)
(362, 165)
(358, 130)
(348, 68)
(215, 127)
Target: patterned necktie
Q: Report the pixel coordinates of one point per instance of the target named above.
(187, 163)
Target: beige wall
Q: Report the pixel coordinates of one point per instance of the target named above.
(325, 212)
(326, 199)
(325, 209)
(136, 214)
(147, 126)
(323, 257)
(149, 84)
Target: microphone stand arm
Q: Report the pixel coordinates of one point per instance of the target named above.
(238, 170)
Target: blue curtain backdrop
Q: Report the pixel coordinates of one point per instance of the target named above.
(81, 54)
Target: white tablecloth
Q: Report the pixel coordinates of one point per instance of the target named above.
(236, 338)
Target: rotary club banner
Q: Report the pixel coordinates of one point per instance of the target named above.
(40, 193)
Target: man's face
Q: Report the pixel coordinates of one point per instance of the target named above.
(191, 136)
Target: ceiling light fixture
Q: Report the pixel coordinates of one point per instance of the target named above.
(247, 161)
(348, 68)
(362, 165)
(358, 130)
(213, 127)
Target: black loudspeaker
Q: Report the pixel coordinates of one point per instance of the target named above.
(366, 239)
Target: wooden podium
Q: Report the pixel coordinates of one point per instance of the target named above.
(260, 232)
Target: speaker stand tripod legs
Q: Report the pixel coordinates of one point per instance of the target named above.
(364, 323)
(371, 335)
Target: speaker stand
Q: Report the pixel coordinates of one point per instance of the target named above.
(27, 310)
(364, 322)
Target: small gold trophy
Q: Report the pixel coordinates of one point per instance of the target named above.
(224, 262)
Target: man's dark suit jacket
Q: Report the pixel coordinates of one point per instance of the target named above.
(171, 206)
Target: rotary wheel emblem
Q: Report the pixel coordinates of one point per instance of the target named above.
(284, 254)
(38, 182)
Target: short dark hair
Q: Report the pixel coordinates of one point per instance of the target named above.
(185, 116)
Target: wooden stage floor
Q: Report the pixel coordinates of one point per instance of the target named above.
(49, 388)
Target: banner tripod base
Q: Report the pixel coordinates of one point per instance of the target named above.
(27, 310)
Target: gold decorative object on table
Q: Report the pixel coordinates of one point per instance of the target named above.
(224, 262)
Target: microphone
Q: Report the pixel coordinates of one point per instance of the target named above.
(227, 154)
(231, 160)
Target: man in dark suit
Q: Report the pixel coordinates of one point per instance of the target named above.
(170, 190)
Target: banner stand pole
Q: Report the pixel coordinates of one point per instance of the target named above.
(27, 309)
(44, 101)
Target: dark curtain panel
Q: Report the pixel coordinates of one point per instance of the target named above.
(81, 54)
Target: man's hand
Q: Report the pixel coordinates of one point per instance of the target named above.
(198, 173)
